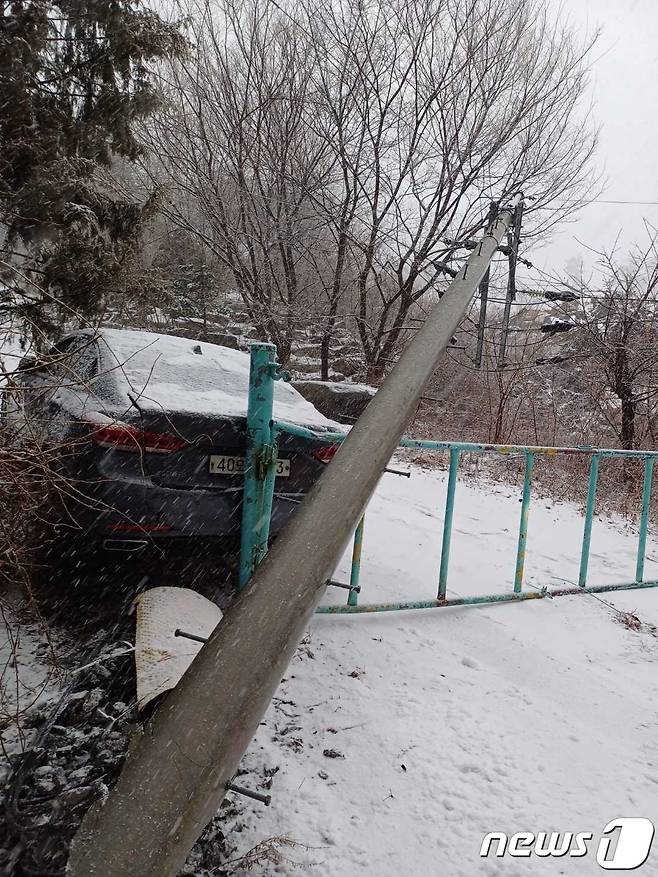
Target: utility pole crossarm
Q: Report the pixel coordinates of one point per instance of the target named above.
(177, 775)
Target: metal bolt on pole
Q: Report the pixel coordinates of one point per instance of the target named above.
(178, 771)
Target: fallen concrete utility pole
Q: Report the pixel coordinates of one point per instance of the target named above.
(177, 774)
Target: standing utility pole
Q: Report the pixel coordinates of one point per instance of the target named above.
(513, 241)
(484, 296)
(177, 773)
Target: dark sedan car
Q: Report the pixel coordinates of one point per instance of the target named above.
(150, 432)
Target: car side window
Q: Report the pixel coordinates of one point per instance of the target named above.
(76, 360)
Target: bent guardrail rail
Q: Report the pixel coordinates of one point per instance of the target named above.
(455, 450)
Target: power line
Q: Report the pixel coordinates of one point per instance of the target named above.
(599, 201)
(517, 367)
(614, 201)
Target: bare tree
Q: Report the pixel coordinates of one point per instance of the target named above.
(243, 160)
(618, 335)
(326, 153)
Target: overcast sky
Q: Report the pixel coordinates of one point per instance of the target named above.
(624, 94)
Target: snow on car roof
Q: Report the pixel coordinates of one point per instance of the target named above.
(166, 371)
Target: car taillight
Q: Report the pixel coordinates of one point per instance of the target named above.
(326, 454)
(123, 437)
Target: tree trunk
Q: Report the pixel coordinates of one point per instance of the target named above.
(375, 372)
(325, 345)
(627, 422)
(327, 337)
(284, 350)
(624, 390)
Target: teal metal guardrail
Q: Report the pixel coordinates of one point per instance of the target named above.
(260, 473)
(260, 460)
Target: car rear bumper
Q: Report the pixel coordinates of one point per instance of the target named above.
(133, 512)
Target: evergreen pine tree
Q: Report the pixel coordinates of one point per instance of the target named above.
(75, 78)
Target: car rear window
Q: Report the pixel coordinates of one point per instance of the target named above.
(179, 374)
(75, 360)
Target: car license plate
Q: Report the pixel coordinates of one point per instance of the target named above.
(222, 464)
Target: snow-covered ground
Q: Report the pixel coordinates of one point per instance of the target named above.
(398, 740)
(448, 724)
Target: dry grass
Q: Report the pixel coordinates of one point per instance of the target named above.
(272, 851)
(629, 620)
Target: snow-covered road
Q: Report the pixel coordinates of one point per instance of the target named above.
(449, 724)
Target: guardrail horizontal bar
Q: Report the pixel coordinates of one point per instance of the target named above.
(509, 597)
(468, 447)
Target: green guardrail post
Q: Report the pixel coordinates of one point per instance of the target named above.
(352, 597)
(447, 522)
(644, 519)
(258, 463)
(523, 524)
(589, 515)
